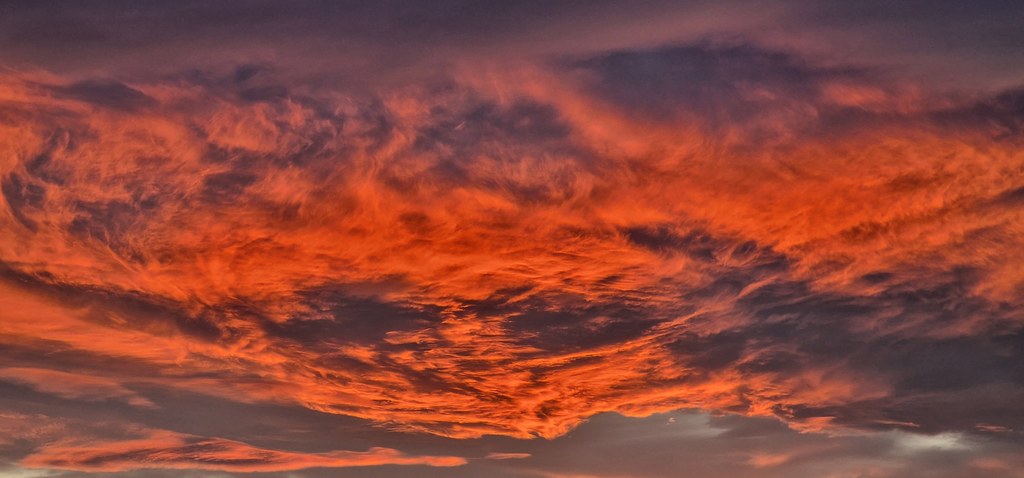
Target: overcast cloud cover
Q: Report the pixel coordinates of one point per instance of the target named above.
(512, 239)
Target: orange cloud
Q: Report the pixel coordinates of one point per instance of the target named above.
(508, 256)
(168, 450)
(507, 456)
(71, 385)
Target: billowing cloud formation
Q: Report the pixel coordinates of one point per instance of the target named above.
(510, 250)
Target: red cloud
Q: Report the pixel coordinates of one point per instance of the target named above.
(169, 450)
(509, 257)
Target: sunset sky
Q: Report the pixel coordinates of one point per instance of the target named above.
(512, 239)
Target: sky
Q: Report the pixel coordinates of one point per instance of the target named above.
(511, 239)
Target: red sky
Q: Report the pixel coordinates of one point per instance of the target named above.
(523, 240)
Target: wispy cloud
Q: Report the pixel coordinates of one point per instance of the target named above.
(511, 252)
(71, 444)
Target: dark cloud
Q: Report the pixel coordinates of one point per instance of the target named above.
(1003, 113)
(21, 194)
(114, 308)
(673, 80)
(109, 94)
(696, 244)
(338, 316)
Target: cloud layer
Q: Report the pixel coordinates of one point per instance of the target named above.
(512, 249)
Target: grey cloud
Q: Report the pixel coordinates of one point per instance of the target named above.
(106, 93)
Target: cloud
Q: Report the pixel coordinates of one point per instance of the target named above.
(513, 250)
(507, 456)
(767, 460)
(73, 386)
(113, 446)
(168, 450)
(106, 94)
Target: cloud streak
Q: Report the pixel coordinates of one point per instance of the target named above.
(71, 385)
(167, 450)
(63, 444)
